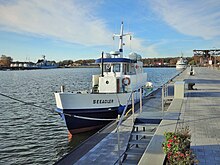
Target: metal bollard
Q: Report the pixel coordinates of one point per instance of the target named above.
(62, 88)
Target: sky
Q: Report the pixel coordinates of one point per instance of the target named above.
(82, 29)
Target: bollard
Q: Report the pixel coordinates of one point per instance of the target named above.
(179, 89)
(62, 88)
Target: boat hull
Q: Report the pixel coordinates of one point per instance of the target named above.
(85, 112)
(181, 66)
(78, 121)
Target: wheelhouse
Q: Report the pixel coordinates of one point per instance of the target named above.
(118, 74)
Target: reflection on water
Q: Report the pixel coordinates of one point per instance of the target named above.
(30, 135)
(77, 139)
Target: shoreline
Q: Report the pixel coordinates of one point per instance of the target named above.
(23, 68)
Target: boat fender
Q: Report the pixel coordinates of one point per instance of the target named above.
(126, 81)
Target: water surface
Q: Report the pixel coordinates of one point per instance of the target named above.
(31, 135)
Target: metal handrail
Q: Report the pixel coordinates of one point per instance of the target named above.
(123, 114)
(164, 88)
(119, 123)
(164, 94)
(131, 96)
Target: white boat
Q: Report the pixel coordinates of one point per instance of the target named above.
(84, 111)
(181, 64)
(44, 64)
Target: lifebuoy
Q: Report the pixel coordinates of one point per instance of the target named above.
(126, 81)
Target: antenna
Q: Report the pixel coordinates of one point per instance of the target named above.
(181, 54)
(121, 35)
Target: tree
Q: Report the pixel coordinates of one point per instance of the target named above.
(5, 61)
(192, 62)
(65, 62)
(173, 61)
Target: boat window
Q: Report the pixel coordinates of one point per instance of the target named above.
(132, 71)
(116, 68)
(107, 68)
(126, 69)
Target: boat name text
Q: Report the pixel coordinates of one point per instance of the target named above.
(103, 101)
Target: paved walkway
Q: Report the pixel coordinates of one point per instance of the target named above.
(106, 152)
(201, 112)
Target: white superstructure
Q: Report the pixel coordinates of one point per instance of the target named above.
(181, 63)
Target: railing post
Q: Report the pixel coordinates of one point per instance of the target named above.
(165, 90)
(119, 155)
(141, 100)
(62, 88)
(132, 101)
(162, 96)
(118, 127)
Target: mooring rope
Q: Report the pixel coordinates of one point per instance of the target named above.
(67, 114)
(26, 103)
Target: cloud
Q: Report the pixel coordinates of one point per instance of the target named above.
(196, 18)
(71, 21)
(140, 46)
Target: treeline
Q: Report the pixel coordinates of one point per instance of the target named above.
(5, 61)
(170, 61)
(165, 61)
(76, 63)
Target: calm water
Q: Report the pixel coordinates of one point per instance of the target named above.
(30, 135)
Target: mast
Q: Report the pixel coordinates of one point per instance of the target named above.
(120, 47)
(121, 35)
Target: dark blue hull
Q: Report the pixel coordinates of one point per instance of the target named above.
(77, 124)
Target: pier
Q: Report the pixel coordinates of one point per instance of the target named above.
(199, 108)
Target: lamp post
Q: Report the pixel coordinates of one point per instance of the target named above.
(210, 58)
(214, 54)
